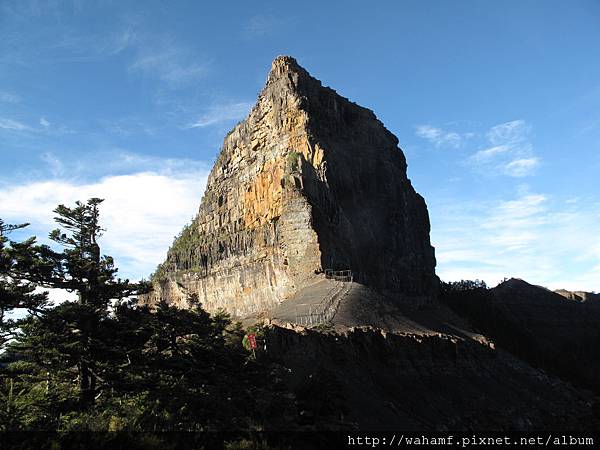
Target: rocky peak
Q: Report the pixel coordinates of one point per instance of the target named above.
(309, 181)
(283, 66)
(579, 296)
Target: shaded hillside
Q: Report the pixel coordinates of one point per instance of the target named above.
(368, 379)
(538, 325)
(425, 367)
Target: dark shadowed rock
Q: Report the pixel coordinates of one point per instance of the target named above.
(373, 380)
(539, 325)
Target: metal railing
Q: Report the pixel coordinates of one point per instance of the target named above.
(324, 312)
(339, 275)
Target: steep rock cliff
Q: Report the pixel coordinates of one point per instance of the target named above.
(309, 181)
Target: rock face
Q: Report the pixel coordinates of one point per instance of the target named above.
(579, 296)
(309, 181)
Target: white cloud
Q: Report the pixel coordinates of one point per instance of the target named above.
(128, 126)
(510, 224)
(522, 167)
(148, 53)
(261, 25)
(9, 124)
(168, 67)
(441, 137)
(123, 161)
(222, 113)
(7, 97)
(172, 63)
(120, 41)
(487, 154)
(544, 240)
(428, 132)
(54, 164)
(44, 127)
(142, 212)
(508, 132)
(512, 154)
(57, 296)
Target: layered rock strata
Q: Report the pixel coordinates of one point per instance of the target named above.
(309, 181)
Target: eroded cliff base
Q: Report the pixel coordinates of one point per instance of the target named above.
(368, 379)
(383, 364)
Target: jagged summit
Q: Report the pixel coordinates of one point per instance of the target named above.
(579, 296)
(309, 181)
(283, 65)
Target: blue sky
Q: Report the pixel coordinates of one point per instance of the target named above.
(496, 105)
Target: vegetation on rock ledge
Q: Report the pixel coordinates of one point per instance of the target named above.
(180, 254)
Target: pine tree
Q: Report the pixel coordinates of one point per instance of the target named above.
(105, 362)
(71, 338)
(17, 298)
(15, 292)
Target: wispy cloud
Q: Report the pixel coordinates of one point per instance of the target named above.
(509, 132)
(440, 137)
(122, 161)
(94, 165)
(522, 167)
(487, 154)
(128, 126)
(226, 112)
(44, 127)
(10, 124)
(142, 213)
(534, 236)
(143, 50)
(120, 41)
(7, 97)
(512, 153)
(170, 63)
(511, 224)
(261, 25)
(157, 55)
(55, 165)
